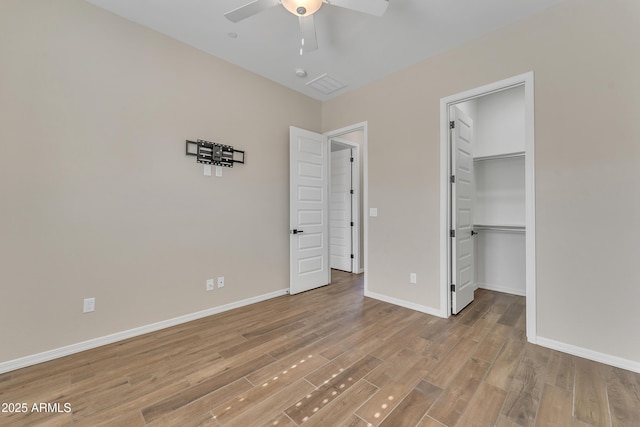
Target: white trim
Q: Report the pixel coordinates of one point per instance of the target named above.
(46, 356)
(403, 303)
(504, 289)
(530, 209)
(527, 80)
(607, 359)
(364, 127)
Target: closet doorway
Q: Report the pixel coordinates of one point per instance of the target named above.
(487, 202)
(345, 232)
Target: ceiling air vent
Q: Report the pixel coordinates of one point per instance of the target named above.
(326, 84)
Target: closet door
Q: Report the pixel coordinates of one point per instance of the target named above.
(340, 215)
(462, 210)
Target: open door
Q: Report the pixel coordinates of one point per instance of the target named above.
(309, 208)
(341, 211)
(462, 187)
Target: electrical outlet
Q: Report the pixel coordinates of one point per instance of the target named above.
(210, 285)
(89, 305)
(221, 282)
(413, 278)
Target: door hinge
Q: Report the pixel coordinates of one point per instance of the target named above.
(352, 223)
(351, 159)
(352, 192)
(352, 256)
(452, 233)
(453, 287)
(453, 179)
(452, 125)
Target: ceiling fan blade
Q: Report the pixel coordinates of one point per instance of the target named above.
(250, 9)
(308, 32)
(372, 7)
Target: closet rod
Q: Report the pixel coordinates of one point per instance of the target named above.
(508, 228)
(499, 156)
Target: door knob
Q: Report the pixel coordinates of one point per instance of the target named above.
(296, 231)
(473, 232)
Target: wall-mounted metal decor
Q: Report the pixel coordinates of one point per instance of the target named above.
(211, 153)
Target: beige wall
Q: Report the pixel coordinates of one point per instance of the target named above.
(587, 104)
(97, 197)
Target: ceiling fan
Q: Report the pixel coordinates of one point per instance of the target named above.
(304, 10)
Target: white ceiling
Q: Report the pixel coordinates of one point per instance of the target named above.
(354, 48)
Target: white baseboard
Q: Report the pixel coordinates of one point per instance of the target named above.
(503, 289)
(607, 359)
(34, 359)
(405, 304)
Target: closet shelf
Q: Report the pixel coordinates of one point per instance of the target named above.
(499, 156)
(494, 227)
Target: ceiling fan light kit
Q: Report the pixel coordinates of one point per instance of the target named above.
(302, 7)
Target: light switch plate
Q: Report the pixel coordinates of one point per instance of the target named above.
(89, 305)
(218, 170)
(207, 170)
(373, 211)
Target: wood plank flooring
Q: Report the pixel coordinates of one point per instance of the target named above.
(329, 357)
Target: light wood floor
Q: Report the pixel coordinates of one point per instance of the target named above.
(331, 357)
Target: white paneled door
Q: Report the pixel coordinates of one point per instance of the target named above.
(462, 188)
(340, 235)
(309, 208)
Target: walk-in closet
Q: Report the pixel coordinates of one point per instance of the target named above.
(499, 190)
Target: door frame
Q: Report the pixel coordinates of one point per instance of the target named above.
(526, 80)
(355, 205)
(362, 162)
